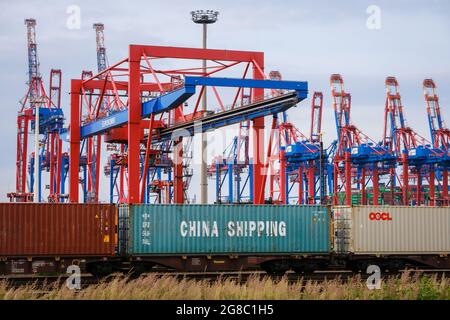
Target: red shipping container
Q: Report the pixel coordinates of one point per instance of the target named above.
(48, 229)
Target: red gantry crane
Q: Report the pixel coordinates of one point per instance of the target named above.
(142, 98)
(50, 122)
(295, 157)
(413, 152)
(358, 158)
(303, 161)
(440, 136)
(93, 143)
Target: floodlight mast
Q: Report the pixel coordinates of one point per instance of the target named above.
(204, 17)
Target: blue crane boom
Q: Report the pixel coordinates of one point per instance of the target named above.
(173, 99)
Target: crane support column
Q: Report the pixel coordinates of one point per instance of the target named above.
(134, 123)
(376, 186)
(178, 185)
(311, 184)
(445, 187)
(283, 179)
(419, 186)
(363, 187)
(258, 138)
(348, 179)
(335, 185)
(74, 139)
(300, 185)
(405, 178)
(432, 190)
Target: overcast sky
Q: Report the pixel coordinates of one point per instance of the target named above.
(304, 40)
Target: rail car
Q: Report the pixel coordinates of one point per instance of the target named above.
(102, 239)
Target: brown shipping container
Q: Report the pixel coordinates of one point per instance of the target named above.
(392, 230)
(47, 229)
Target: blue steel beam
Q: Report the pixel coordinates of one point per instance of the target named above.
(247, 83)
(160, 104)
(173, 99)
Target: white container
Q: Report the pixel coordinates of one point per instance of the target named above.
(391, 230)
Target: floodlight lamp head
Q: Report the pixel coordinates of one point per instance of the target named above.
(204, 16)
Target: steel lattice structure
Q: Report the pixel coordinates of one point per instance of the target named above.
(414, 153)
(305, 162)
(50, 157)
(440, 137)
(358, 159)
(143, 109)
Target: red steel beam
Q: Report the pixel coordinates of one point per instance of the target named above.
(405, 179)
(75, 134)
(311, 184)
(283, 177)
(348, 179)
(178, 185)
(263, 171)
(147, 156)
(363, 187)
(123, 85)
(300, 185)
(200, 54)
(432, 190)
(376, 186)
(335, 184)
(445, 187)
(258, 136)
(134, 123)
(419, 186)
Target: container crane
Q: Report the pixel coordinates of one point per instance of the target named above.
(51, 120)
(440, 135)
(305, 159)
(295, 158)
(357, 158)
(102, 63)
(92, 145)
(409, 148)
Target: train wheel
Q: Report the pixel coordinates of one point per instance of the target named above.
(275, 268)
(307, 266)
(100, 269)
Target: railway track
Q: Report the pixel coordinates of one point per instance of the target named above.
(239, 277)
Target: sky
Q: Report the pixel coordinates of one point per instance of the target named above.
(304, 40)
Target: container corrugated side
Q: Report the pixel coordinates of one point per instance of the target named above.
(201, 229)
(44, 229)
(400, 230)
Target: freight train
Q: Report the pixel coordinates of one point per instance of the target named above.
(102, 239)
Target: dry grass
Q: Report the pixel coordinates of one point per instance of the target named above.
(152, 287)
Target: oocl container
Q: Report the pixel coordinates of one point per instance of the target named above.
(44, 229)
(392, 230)
(216, 229)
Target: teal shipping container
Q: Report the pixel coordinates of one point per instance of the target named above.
(226, 229)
